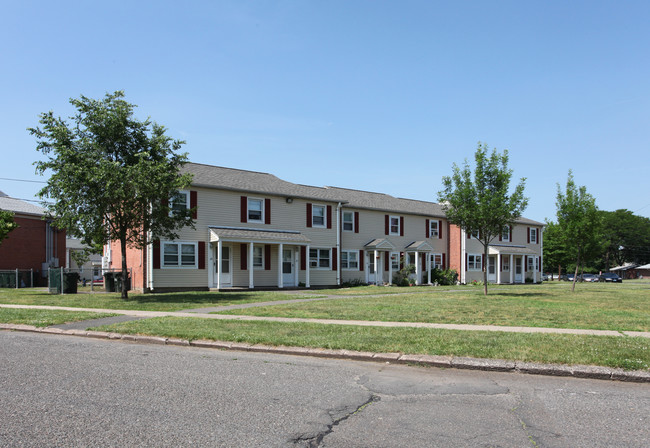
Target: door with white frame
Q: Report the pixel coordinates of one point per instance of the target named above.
(288, 268)
(518, 269)
(226, 265)
(371, 274)
(492, 268)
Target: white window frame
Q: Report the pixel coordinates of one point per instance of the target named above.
(314, 215)
(248, 211)
(395, 260)
(172, 202)
(505, 263)
(474, 262)
(258, 257)
(436, 261)
(531, 263)
(350, 222)
(475, 234)
(396, 225)
(533, 235)
(179, 255)
(433, 233)
(350, 260)
(505, 234)
(321, 255)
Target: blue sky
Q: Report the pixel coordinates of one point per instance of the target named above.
(372, 95)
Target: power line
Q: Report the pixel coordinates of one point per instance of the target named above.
(33, 181)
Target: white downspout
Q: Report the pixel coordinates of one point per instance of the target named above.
(463, 257)
(338, 243)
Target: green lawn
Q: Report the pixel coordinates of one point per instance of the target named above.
(146, 302)
(45, 318)
(624, 352)
(592, 306)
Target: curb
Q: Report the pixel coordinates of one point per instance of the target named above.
(452, 362)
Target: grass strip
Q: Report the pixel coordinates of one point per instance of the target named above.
(622, 352)
(45, 318)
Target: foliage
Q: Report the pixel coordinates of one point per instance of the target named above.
(483, 202)
(556, 258)
(354, 283)
(7, 224)
(444, 277)
(111, 175)
(578, 223)
(403, 276)
(626, 239)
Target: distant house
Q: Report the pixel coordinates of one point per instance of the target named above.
(627, 270)
(36, 244)
(91, 268)
(254, 230)
(642, 271)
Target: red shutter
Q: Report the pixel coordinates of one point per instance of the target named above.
(386, 260)
(469, 235)
(387, 223)
(329, 216)
(444, 263)
(539, 263)
(267, 211)
(362, 261)
(243, 209)
(510, 233)
(440, 229)
(427, 229)
(356, 222)
(193, 204)
(303, 258)
(201, 254)
(401, 260)
(528, 235)
(335, 259)
(401, 226)
(539, 235)
(244, 257)
(424, 262)
(525, 263)
(500, 264)
(308, 214)
(156, 254)
(267, 257)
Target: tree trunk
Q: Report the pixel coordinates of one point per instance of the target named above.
(485, 270)
(125, 291)
(575, 276)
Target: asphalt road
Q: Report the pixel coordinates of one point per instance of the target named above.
(81, 392)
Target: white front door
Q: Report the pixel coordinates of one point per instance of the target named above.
(518, 270)
(288, 268)
(226, 263)
(370, 267)
(492, 268)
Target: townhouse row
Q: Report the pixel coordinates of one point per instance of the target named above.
(254, 230)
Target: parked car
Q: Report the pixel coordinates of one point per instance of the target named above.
(590, 278)
(568, 277)
(610, 277)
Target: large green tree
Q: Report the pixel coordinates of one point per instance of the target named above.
(578, 222)
(482, 202)
(7, 224)
(626, 238)
(555, 254)
(111, 175)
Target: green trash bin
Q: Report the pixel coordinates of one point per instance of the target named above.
(70, 280)
(109, 281)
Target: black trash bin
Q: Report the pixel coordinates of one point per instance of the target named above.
(109, 281)
(118, 282)
(70, 280)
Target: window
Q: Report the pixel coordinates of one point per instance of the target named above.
(255, 210)
(476, 234)
(474, 262)
(258, 257)
(505, 234)
(436, 261)
(531, 263)
(395, 261)
(505, 263)
(349, 259)
(319, 258)
(348, 221)
(179, 202)
(179, 255)
(433, 229)
(394, 225)
(318, 216)
(533, 236)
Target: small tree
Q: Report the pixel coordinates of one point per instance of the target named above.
(555, 254)
(111, 175)
(482, 203)
(7, 224)
(578, 222)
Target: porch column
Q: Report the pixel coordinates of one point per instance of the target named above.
(417, 268)
(307, 268)
(535, 270)
(251, 283)
(498, 268)
(390, 268)
(280, 252)
(377, 271)
(428, 268)
(512, 268)
(219, 252)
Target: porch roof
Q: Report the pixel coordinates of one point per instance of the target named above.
(511, 250)
(379, 243)
(420, 246)
(247, 235)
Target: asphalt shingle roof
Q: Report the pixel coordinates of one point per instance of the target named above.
(19, 207)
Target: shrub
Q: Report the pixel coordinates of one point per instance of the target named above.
(402, 277)
(444, 277)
